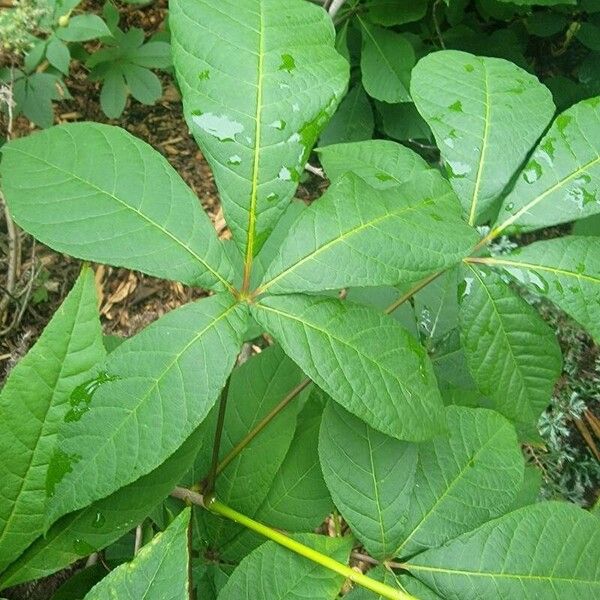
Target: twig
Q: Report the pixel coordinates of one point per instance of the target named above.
(335, 7)
(137, 544)
(209, 482)
(436, 23)
(314, 170)
(417, 287)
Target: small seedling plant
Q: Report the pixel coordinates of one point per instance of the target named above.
(408, 433)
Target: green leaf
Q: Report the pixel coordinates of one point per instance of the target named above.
(81, 533)
(58, 55)
(364, 360)
(403, 122)
(143, 84)
(529, 492)
(82, 28)
(370, 476)
(548, 550)
(98, 193)
(358, 236)
(298, 499)
(396, 12)
(157, 572)
(33, 403)
(257, 105)
(352, 122)
(512, 354)
(386, 61)
(564, 270)
(485, 114)
(256, 388)
(153, 391)
(378, 573)
(277, 573)
(464, 478)
(33, 95)
(152, 55)
(561, 182)
(381, 163)
(113, 95)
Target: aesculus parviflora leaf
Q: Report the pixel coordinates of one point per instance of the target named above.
(257, 105)
(363, 359)
(370, 476)
(98, 193)
(543, 551)
(512, 354)
(564, 270)
(151, 393)
(464, 477)
(359, 236)
(272, 572)
(561, 181)
(158, 572)
(33, 404)
(90, 529)
(486, 114)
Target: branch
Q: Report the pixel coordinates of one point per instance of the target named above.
(361, 579)
(419, 286)
(209, 482)
(335, 7)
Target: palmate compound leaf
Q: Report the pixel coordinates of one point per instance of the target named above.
(158, 572)
(561, 182)
(356, 235)
(152, 392)
(363, 359)
(272, 572)
(90, 529)
(485, 114)
(564, 270)
(511, 352)
(33, 403)
(257, 105)
(98, 193)
(370, 476)
(464, 477)
(545, 551)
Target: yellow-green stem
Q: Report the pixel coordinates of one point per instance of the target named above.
(221, 509)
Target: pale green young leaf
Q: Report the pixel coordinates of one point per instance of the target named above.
(381, 163)
(98, 193)
(257, 106)
(386, 61)
(561, 182)
(543, 551)
(511, 352)
(153, 391)
(272, 572)
(485, 114)
(88, 530)
(370, 476)
(158, 572)
(356, 235)
(464, 478)
(564, 270)
(33, 403)
(363, 359)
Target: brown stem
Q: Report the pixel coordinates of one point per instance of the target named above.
(419, 286)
